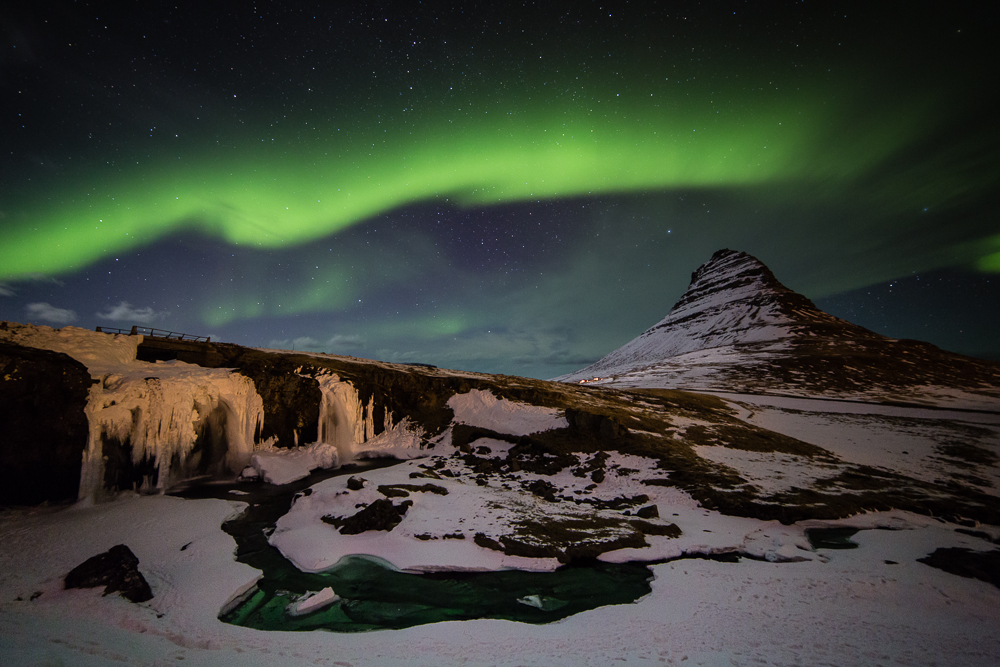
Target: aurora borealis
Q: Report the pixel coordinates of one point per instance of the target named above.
(517, 189)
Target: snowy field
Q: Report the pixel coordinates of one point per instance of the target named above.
(838, 607)
(873, 605)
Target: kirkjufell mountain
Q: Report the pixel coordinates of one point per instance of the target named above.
(737, 328)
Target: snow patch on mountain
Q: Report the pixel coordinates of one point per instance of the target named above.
(737, 329)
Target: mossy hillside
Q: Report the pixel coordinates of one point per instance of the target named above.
(664, 426)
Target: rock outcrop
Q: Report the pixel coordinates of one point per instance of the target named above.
(379, 515)
(43, 395)
(117, 569)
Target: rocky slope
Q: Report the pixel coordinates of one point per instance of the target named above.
(737, 328)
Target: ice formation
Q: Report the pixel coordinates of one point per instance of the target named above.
(343, 421)
(190, 420)
(346, 431)
(310, 602)
(174, 420)
(155, 424)
(349, 424)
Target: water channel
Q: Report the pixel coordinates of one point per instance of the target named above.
(373, 595)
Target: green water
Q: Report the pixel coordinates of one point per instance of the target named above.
(838, 537)
(374, 595)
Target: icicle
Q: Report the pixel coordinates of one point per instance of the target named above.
(370, 419)
(92, 466)
(359, 420)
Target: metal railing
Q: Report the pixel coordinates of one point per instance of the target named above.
(155, 333)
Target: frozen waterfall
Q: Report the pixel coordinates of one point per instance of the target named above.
(182, 423)
(349, 425)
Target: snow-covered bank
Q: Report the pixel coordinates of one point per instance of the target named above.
(283, 466)
(924, 443)
(183, 554)
(500, 482)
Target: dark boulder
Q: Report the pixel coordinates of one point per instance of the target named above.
(981, 565)
(117, 569)
(543, 489)
(481, 539)
(589, 423)
(648, 512)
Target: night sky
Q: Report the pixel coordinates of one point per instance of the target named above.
(518, 188)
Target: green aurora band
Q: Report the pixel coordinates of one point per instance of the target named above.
(271, 193)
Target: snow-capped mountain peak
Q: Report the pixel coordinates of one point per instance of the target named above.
(737, 328)
(733, 298)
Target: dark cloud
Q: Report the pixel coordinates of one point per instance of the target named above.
(49, 313)
(126, 312)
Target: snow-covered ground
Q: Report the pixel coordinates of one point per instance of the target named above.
(793, 605)
(483, 409)
(870, 605)
(839, 607)
(922, 443)
(713, 370)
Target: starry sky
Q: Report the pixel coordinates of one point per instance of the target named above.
(512, 188)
